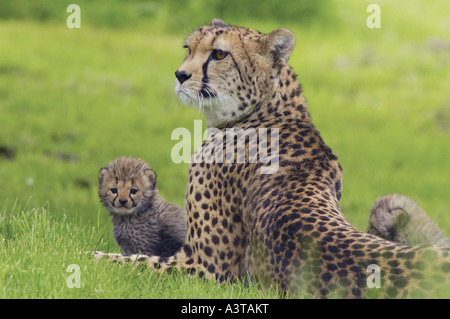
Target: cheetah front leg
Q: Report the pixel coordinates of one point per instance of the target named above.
(98, 255)
(134, 258)
(180, 261)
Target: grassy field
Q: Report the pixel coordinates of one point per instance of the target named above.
(71, 100)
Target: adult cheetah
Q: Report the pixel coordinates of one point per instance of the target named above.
(284, 228)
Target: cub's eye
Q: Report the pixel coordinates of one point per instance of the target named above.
(133, 191)
(219, 55)
(114, 190)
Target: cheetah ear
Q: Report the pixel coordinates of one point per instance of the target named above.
(401, 216)
(101, 174)
(151, 176)
(218, 23)
(279, 44)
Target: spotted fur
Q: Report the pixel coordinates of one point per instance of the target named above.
(285, 228)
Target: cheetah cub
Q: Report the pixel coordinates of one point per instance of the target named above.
(143, 222)
(400, 219)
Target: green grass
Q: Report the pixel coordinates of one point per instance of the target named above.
(33, 234)
(72, 100)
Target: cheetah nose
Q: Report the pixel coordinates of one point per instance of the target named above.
(123, 201)
(182, 76)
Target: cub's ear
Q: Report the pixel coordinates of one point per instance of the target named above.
(151, 176)
(402, 218)
(279, 45)
(101, 174)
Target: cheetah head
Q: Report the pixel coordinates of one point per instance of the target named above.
(229, 71)
(126, 186)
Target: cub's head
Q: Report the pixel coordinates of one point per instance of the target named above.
(126, 185)
(230, 71)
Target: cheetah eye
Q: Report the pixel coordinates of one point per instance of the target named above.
(114, 190)
(219, 55)
(133, 191)
(189, 50)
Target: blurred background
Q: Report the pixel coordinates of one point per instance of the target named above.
(170, 15)
(71, 100)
